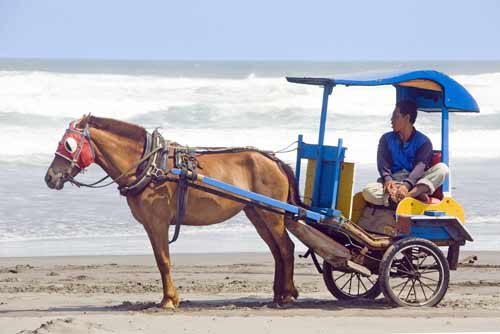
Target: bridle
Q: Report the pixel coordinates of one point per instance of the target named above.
(83, 155)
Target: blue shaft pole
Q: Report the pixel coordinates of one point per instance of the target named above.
(252, 195)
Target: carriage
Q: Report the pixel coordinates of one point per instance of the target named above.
(406, 264)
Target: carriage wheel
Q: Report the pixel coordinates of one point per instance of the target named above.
(350, 285)
(414, 272)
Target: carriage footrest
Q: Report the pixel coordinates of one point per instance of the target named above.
(358, 268)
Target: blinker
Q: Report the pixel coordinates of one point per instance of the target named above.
(75, 146)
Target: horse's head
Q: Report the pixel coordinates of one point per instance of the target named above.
(74, 153)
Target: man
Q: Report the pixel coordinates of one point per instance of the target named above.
(403, 160)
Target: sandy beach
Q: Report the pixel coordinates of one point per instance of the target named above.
(221, 293)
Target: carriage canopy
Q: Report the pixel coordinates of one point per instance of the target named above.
(431, 90)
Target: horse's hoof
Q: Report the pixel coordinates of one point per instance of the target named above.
(281, 306)
(275, 305)
(168, 305)
(283, 302)
(287, 300)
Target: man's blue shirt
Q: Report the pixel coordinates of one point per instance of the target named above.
(395, 155)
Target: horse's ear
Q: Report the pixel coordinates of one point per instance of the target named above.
(86, 119)
(82, 122)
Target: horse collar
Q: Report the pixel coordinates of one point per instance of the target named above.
(146, 170)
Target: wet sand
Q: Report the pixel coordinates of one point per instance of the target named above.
(221, 293)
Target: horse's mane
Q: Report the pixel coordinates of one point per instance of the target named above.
(117, 127)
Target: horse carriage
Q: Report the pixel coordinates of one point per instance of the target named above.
(406, 264)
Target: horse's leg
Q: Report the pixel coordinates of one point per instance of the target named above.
(276, 226)
(264, 233)
(158, 235)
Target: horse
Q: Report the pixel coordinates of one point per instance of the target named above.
(118, 146)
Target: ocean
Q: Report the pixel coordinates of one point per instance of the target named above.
(214, 103)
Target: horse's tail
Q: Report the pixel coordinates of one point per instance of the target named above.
(293, 192)
(293, 188)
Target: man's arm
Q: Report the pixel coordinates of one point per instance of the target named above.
(422, 160)
(384, 160)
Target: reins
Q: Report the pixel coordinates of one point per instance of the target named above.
(96, 185)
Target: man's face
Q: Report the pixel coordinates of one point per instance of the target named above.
(398, 121)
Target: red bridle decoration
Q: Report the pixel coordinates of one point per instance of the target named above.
(76, 147)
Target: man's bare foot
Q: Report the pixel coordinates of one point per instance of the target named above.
(420, 192)
(424, 198)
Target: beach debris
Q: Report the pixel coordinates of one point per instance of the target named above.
(9, 280)
(48, 327)
(134, 306)
(52, 273)
(17, 269)
(468, 260)
(67, 325)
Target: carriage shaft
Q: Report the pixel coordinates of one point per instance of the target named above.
(250, 195)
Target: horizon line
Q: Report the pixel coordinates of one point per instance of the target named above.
(251, 60)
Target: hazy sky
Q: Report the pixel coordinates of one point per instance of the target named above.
(256, 29)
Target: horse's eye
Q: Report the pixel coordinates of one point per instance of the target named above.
(70, 145)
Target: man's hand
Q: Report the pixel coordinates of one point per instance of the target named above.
(390, 186)
(401, 193)
(396, 190)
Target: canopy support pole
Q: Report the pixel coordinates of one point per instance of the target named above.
(445, 146)
(322, 125)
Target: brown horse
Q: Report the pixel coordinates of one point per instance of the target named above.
(116, 146)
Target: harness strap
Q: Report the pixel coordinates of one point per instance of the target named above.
(164, 157)
(182, 196)
(184, 159)
(147, 148)
(147, 166)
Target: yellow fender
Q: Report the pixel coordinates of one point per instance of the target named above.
(412, 206)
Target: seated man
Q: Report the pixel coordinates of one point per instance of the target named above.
(403, 160)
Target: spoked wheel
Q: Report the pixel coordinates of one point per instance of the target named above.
(350, 285)
(414, 272)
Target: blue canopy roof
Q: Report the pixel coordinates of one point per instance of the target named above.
(431, 90)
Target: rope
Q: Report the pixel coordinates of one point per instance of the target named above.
(285, 149)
